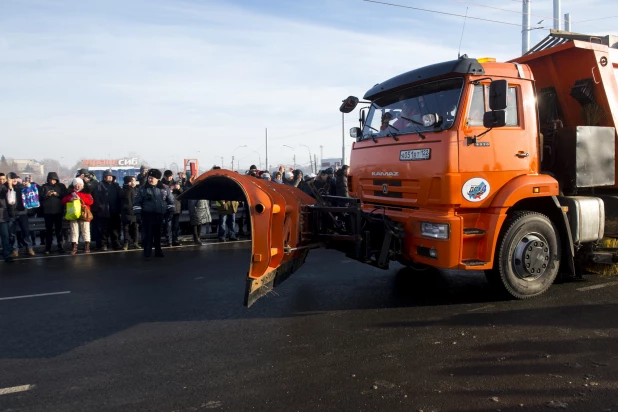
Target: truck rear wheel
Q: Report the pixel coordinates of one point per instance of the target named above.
(528, 256)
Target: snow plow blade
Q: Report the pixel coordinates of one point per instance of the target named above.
(277, 223)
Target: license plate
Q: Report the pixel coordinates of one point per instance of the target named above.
(416, 154)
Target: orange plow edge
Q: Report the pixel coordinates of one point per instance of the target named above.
(277, 224)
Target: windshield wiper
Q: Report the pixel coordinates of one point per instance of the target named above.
(393, 135)
(414, 122)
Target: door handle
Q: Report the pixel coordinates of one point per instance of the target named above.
(521, 155)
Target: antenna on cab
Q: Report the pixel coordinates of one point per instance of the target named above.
(462, 33)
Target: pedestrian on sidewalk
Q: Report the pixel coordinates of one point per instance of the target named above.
(107, 203)
(227, 218)
(53, 192)
(151, 204)
(80, 225)
(130, 229)
(20, 217)
(7, 200)
(199, 214)
(177, 190)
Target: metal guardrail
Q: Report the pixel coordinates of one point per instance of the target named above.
(37, 224)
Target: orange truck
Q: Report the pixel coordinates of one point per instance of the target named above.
(468, 164)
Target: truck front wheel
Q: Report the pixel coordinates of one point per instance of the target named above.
(528, 256)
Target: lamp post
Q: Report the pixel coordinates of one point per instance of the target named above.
(259, 159)
(293, 150)
(310, 157)
(233, 155)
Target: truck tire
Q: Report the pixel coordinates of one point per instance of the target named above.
(528, 255)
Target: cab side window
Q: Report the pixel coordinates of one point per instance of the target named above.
(477, 107)
(511, 110)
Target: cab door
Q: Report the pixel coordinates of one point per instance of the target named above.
(493, 157)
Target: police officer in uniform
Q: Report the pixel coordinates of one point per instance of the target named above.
(152, 203)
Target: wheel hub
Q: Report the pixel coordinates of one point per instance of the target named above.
(531, 257)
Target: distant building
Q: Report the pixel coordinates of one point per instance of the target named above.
(119, 167)
(28, 166)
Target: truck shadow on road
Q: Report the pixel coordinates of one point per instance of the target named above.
(113, 293)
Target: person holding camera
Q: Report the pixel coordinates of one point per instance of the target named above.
(52, 193)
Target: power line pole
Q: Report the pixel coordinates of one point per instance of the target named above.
(525, 23)
(567, 22)
(557, 14)
(266, 149)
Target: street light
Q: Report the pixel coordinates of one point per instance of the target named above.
(293, 150)
(233, 155)
(259, 158)
(310, 157)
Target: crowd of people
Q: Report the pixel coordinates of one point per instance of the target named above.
(142, 213)
(331, 182)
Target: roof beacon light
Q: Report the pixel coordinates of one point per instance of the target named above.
(486, 60)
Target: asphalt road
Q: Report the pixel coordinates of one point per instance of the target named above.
(172, 335)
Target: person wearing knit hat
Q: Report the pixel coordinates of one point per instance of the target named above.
(130, 228)
(152, 202)
(20, 217)
(142, 177)
(107, 203)
(52, 194)
(76, 192)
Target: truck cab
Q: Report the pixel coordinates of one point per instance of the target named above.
(427, 158)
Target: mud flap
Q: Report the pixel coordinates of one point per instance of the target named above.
(277, 224)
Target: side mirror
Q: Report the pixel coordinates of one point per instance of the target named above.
(362, 117)
(498, 90)
(494, 119)
(356, 132)
(349, 104)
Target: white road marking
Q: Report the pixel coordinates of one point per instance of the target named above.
(199, 278)
(587, 288)
(16, 389)
(36, 296)
(94, 253)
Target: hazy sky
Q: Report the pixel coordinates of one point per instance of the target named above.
(171, 79)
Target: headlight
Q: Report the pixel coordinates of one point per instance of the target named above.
(430, 120)
(435, 230)
(355, 132)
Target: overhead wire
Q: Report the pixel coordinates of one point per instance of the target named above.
(441, 12)
(531, 14)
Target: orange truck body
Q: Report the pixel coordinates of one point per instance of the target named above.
(431, 191)
(439, 189)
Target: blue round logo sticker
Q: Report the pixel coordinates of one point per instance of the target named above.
(475, 190)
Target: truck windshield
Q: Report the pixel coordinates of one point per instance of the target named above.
(402, 112)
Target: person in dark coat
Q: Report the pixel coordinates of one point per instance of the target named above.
(20, 218)
(129, 223)
(341, 182)
(152, 202)
(52, 193)
(142, 177)
(7, 201)
(107, 204)
(171, 225)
